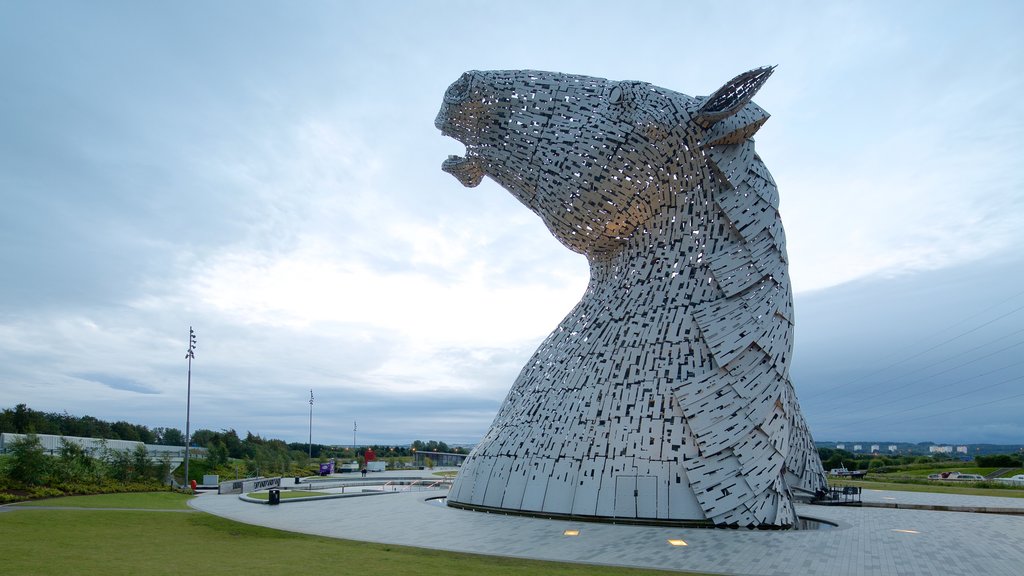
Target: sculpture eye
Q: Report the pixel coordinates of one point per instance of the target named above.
(458, 91)
(615, 96)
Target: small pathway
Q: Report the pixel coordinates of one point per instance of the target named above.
(997, 473)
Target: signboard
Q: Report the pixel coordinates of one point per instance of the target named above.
(248, 485)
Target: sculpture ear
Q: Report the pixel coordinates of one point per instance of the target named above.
(732, 97)
(737, 128)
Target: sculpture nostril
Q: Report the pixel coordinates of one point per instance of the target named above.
(442, 117)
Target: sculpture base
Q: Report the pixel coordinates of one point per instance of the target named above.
(610, 519)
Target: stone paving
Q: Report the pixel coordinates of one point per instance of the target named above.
(868, 541)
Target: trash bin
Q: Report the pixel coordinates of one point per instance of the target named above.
(275, 497)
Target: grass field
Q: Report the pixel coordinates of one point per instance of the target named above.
(924, 472)
(61, 542)
(931, 487)
(144, 500)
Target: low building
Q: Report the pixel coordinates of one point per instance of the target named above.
(438, 458)
(51, 444)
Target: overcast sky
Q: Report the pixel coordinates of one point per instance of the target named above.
(269, 174)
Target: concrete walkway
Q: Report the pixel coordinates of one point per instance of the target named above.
(936, 499)
(868, 541)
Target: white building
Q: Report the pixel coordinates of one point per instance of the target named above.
(874, 448)
(857, 447)
(96, 446)
(893, 448)
(840, 446)
(961, 449)
(940, 449)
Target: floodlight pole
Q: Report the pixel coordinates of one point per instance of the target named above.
(311, 424)
(189, 355)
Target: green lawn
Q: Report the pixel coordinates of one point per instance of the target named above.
(62, 542)
(931, 487)
(923, 473)
(143, 500)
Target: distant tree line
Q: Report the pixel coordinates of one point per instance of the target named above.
(1000, 461)
(381, 450)
(836, 458)
(23, 420)
(227, 453)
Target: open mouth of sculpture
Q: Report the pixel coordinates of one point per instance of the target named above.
(467, 169)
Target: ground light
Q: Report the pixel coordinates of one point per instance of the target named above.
(677, 542)
(571, 533)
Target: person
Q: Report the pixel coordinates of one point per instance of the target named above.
(364, 472)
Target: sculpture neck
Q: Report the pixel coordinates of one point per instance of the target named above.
(672, 244)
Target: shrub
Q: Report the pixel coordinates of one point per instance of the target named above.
(998, 461)
(6, 498)
(38, 492)
(28, 461)
(216, 454)
(74, 463)
(131, 465)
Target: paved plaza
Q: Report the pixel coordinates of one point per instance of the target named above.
(867, 541)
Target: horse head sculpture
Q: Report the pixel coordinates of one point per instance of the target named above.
(665, 392)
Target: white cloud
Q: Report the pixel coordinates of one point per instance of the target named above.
(917, 199)
(309, 286)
